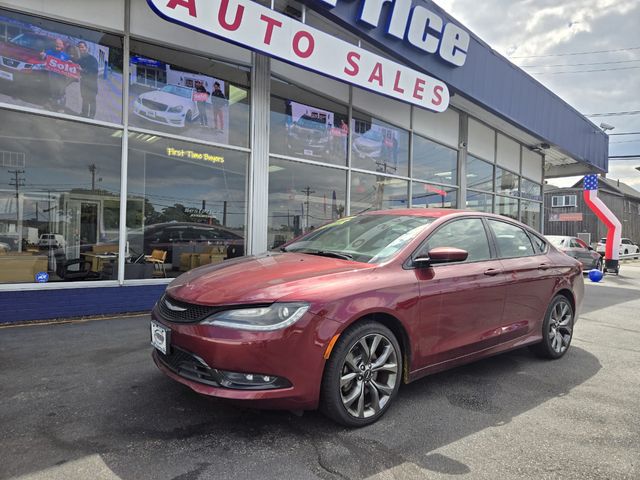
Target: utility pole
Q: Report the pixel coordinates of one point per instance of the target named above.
(17, 182)
(93, 169)
(307, 191)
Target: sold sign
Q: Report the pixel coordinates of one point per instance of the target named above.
(68, 69)
(251, 25)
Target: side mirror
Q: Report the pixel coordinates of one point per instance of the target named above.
(441, 255)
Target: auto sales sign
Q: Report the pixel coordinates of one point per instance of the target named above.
(251, 25)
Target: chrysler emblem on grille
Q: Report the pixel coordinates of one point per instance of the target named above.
(174, 308)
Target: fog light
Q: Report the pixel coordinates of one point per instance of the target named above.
(251, 381)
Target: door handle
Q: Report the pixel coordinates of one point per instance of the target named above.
(492, 272)
(544, 266)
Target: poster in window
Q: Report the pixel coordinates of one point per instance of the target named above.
(176, 100)
(60, 68)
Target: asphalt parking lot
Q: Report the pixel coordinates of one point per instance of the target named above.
(84, 401)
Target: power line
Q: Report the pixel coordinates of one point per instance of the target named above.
(578, 53)
(578, 64)
(584, 71)
(612, 114)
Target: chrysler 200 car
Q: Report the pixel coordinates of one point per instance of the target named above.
(341, 317)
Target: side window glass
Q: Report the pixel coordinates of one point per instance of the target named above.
(574, 244)
(468, 234)
(512, 241)
(538, 244)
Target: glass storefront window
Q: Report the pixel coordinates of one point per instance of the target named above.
(434, 162)
(507, 206)
(307, 125)
(188, 95)
(302, 197)
(530, 190)
(480, 202)
(60, 68)
(531, 213)
(378, 146)
(186, 206)
(479, 174)
(507, 183)
(433, 196)
(59, 204)
(377, 192)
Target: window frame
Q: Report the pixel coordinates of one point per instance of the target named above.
(409, 264)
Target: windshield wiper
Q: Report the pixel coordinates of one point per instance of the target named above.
(329, 253)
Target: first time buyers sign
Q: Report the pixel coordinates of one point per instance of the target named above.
(251, 25)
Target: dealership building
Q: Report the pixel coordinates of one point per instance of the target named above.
(145, 139)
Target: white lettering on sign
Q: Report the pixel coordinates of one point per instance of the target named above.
(421, 27)
(251, 25)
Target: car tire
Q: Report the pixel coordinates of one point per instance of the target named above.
(357, 389)
(599, 265)
(557, 329)
(626, 252)
(188, 117)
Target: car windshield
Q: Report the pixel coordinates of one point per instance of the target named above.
(177, 90)
(34, 42)
(374, 135)
(556, 240)
(310, 122)
(364, 238)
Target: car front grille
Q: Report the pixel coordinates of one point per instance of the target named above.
(160, 107)
(181, 312)
(189, 366)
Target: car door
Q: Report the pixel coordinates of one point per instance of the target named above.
(580, 252)
(460, 303)
(531, 279)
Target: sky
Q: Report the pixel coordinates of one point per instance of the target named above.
(537, 35)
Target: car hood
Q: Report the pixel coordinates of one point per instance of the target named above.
(165, 97)
(265, 279)
(22, 54)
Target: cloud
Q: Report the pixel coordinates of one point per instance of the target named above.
(526, 28)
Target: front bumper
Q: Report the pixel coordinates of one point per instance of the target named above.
(294, 353)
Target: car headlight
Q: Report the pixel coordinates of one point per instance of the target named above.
(176, 109)
(262, 319)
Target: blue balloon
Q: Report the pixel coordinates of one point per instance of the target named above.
(595, 275)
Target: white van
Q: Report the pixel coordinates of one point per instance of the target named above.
(53, 240)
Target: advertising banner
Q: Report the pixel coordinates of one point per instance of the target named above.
(251, 25)
(45, 64)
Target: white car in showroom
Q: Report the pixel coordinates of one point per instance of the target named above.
(627, 247)
(172, 105)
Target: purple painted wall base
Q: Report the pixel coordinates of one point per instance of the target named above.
(82, 302)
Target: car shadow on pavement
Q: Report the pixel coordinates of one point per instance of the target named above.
(144, 425)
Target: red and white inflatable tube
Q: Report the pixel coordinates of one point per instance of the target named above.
(614, 232)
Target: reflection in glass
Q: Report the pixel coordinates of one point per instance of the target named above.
(378, 146)
(479, 174)
(480, 202)
(531, 213)
(307, 125)
(507, 183)
(377, 192)
(186, 206)
(301, 198)
(60, 68)
(434, 162)
(433, 196)
(507, 206)
(188, 95)
(530, 190)
(59, 206)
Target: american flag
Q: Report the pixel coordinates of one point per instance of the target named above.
(591, 182)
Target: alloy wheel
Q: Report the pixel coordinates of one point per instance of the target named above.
(369, 376)
(560, 326)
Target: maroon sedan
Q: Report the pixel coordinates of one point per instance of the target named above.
(340, 317)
